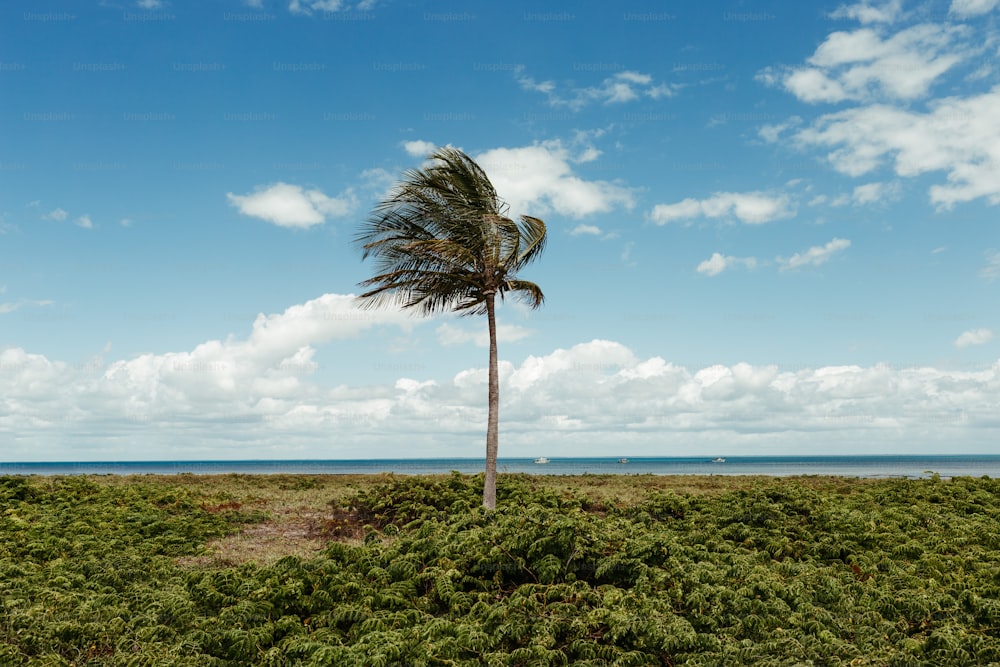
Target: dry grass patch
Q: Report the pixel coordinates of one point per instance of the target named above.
(290, 531)
(286, 515)
(263, 543)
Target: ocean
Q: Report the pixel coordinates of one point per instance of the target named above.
(847, 466)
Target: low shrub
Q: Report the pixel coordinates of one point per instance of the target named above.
(895, 572)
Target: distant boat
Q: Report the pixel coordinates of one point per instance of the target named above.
(623, 460)
(541, 459)
(718, 459)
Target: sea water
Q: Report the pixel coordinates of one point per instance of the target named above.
(849, 466)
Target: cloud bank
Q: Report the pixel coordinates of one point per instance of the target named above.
(254, 397)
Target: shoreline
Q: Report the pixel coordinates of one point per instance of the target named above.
(874, 466)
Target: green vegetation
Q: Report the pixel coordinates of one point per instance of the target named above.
(569, 571)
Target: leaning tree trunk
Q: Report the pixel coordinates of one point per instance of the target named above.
(492, 425)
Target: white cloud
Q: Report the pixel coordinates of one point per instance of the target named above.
(866, 12)
(222, 390)
(747, 207)
(815, 255)
(309, 6)
(257, 398)
(887, 71)
(11, 306)
(527, 83)
(864, 195)
(973, 337)
(626, 86)
(601, 389)
(451, 334)
(378, 181)
(595, 360)
(586, 229)
(61, 215)
(992, 269)
(718, 263)
(874, 193)
(715, 265)
(149, 4)
(626, 255)
(863, 65)
(538, 179)
(967, 8)
(291, 206)
(419, 148)
(771, 133)
(589, 154)
(233, 375)
(958, 136)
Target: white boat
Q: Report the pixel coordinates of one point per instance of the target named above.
(541, 459)
(623, 460)
(718, 459)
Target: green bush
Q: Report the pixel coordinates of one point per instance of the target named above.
(898, 572)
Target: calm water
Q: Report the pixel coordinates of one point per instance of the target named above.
(851, 466)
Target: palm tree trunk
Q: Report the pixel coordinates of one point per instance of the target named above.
(492, 425)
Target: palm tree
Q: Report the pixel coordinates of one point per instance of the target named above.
(442, 241)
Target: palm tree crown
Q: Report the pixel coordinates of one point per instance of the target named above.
(442, 241)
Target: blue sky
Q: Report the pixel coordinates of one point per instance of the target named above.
(772, 227)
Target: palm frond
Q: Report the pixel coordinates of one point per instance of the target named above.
(532, 231)
(527, 292)
(441, 240)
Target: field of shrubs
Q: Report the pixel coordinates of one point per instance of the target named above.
(412, 571)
